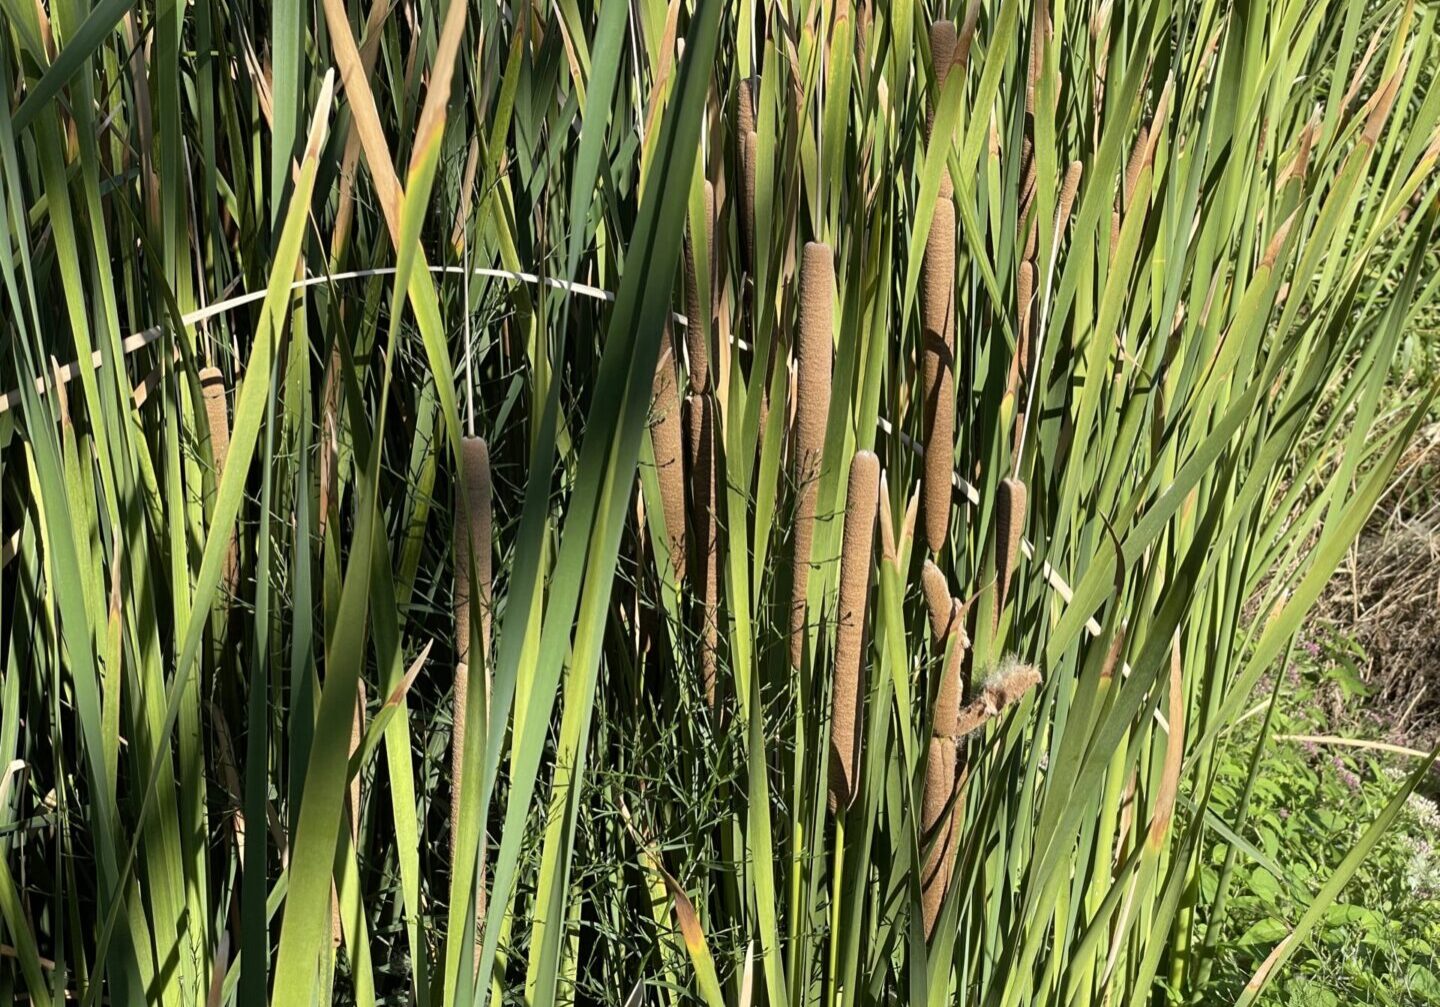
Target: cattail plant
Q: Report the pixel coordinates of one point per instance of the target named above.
(937, 320)
(855, 564)
(667, 442)
(704, 502)
(814, 349)
(697, 302)
(472, 585)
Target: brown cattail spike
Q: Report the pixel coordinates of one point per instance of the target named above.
(472, 582)
(1025, 295)
(940, 765)
(747, 215)
(745, 105)
(942, 54)
(704, 499)
(666, 441)
(1009, 527)
(937, 600)
(937, 282)
(950, 692)
(1068, 191)
(697, 301)
(212, 390)
(855, 563)
(814, 350)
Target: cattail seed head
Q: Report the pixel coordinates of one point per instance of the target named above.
(1024, 295)
(937, 600)
(697, 301)
(942, 50)
(666, 441)
(1068, 191)
(940, 765)
(1009, 527)
(942, 54)
(212, 388)
(747, 214)
(937, 281)
(950, 693)
(704, 500)
(745, 105)
(855, 563)
(814, 350)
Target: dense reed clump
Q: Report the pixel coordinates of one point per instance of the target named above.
(814, 350)
(1096, 323)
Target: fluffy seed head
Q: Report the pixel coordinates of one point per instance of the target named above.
(855, 563)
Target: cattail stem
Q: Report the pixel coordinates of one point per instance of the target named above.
(704, 503)
(666, 441)
(815, 347)
(861, 503)
(472, 582)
